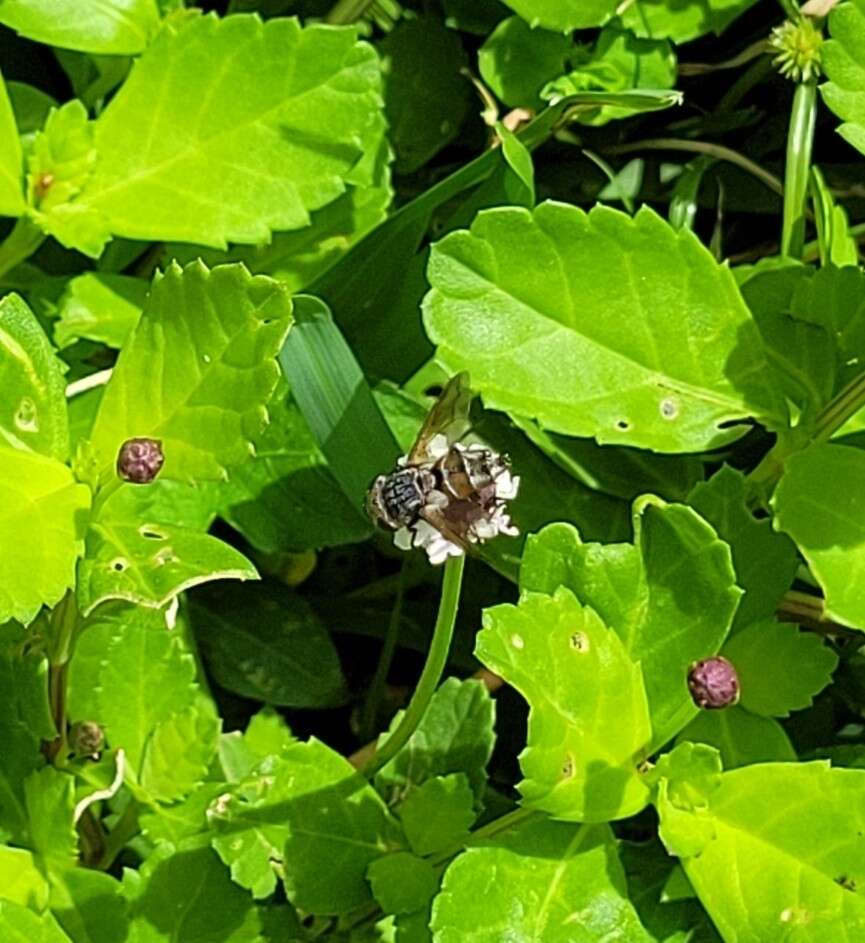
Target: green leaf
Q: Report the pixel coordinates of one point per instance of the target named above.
(516, 61)
(89, 906)
(23, 701)
(438, 814)
(588, 715)
(402, 883)
(786, 851)
(32, 388)
(670, 596)
(182, 820)
(41, 530)
(198, 370)
(285, 498)
(20, 925)
(455, 735)
(150, 564)
(817, 504)
(841, 59)
(179, 752)
(764, 560)
(311, 802)
(780, 668)
(742, 738)
(101, 307)
(266, 734)
(130, 674)
(31, 107)
(171, 165)
(50, 799)
(332, 392)
(334, 816)
(527, 301)
(682, 21)
(101, 26)
(11, 166)
(618, 62)
(426, 96)
(837, 246)
(548, 882)
(187, 895)
(564, 15)
(266, 643)
(21, 881)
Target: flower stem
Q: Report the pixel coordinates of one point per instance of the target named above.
(432, 670)
(841, 408)
(347, 11)
(800, 140)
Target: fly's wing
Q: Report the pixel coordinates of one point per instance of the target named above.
(433, 515)
(449, 416)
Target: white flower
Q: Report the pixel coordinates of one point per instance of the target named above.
(438, 547)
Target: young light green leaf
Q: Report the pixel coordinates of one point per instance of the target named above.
(455, 735)
(841, 59)
(817, 503)
(11, 166)
(670, 596)
(548, 882)
(619, 61)
(60, 164)
(150, 564)
(31, 107)
(764, 560)
(426, 96)
(186, 894)
(171, 166)
(32, 388)
(564, 15)
(438, 814)
(517, 61)
(100, 306)
(198, 370)
(20, 925)
(41, 532)
(741, 738)
(780, 668)
(21, 880)
(180, 821)
(589, 723)
(786, 852)
(180, 750)
(266, 643)
(115, 27)
(402, 883)
(529, 301)
(266, 734)
(682, 21)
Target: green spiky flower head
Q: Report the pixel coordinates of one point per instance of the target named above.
(799, 47)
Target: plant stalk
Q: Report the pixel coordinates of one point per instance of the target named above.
(64, 620)
(432, 670)
(345, 12)
(800, 142)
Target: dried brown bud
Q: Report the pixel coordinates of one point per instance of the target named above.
(87, 738)
(713, 683)
(139, 460)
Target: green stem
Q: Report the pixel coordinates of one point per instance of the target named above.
(345, 12)
(20, 244)
(373, 700)
(64, 620)
(836, 413)
(800, 141)
(752, 76)
(791, 10)
(118, 838)
(432, 670)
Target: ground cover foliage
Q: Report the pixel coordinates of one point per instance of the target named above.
(263, 234)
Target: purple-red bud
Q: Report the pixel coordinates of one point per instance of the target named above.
(713, 683)
(139, 460)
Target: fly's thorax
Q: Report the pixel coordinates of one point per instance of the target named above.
(396, 500)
